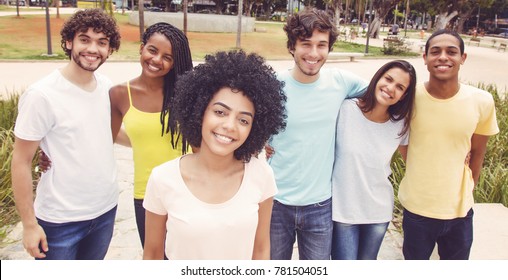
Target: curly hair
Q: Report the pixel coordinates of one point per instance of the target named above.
(182, 63)
(95, 18)
(245, 73)
(301, 26)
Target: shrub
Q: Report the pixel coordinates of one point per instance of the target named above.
(8, 112)
(396, 47)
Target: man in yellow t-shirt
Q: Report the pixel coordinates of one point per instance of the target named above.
(447, 144)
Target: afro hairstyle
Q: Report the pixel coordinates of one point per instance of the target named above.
(244, 73)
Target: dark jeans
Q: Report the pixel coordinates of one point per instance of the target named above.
(139, 211)
(454, 237)
(83, 240)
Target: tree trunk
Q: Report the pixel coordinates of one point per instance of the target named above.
(444, 18)
(375, 26)
(141, 11)
(57, 5)
(460, 25)
(337, 16)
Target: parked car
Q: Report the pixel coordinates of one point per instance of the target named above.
(120, 8)
(205, 11)
(13, 2)
(153, 9)
(279, 16)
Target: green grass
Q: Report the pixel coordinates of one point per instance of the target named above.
(19, 40)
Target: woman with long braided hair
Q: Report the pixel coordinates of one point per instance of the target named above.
(144, 105)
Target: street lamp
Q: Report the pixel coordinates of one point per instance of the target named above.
(478, 18)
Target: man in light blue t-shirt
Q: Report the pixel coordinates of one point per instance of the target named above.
(304, 152)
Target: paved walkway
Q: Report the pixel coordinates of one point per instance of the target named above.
(491, 227)
(484, 64)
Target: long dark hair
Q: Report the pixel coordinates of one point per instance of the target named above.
(400, 110)
(182, 63)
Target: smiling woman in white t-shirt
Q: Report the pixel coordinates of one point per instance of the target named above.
(217, 203)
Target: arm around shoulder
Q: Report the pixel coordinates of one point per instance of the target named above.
(477, 155)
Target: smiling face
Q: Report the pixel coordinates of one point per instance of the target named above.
(444, 58)
(156, 56)
(227, 122)
(392, 86)
(89, 50)
(310, 54)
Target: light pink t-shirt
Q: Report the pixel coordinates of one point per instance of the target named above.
(198, 230)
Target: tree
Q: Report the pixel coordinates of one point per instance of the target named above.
(466, 11)
(141, 11)
(381, 9)
(57, 5)
(219, 6)
(336, 6)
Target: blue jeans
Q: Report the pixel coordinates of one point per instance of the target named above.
(139, 211)
(453, 237)
(83, 240)
(357, 241)
(310, 224)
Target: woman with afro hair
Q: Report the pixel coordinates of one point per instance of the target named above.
(217, 203)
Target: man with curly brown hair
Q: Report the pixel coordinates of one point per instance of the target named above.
(67, 115)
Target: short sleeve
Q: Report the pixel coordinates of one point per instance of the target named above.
(153, 200)
(404, 139)
(35, 116)
(270, 187)
(356, 86)
(487, 124)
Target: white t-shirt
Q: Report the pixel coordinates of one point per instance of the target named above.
(74, 127)
(199, 230)
(361, 190)
(303, 157)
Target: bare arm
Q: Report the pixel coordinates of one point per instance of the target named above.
(262, 239)
(22, 186)
(478, 150)
(155, 235)
(122, 138)
(116, 114)
(403, 152)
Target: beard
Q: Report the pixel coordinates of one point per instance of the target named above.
(87, 66)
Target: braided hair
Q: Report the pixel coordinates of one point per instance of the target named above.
(182, 63)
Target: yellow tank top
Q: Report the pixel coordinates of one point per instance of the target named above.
(149, 147)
